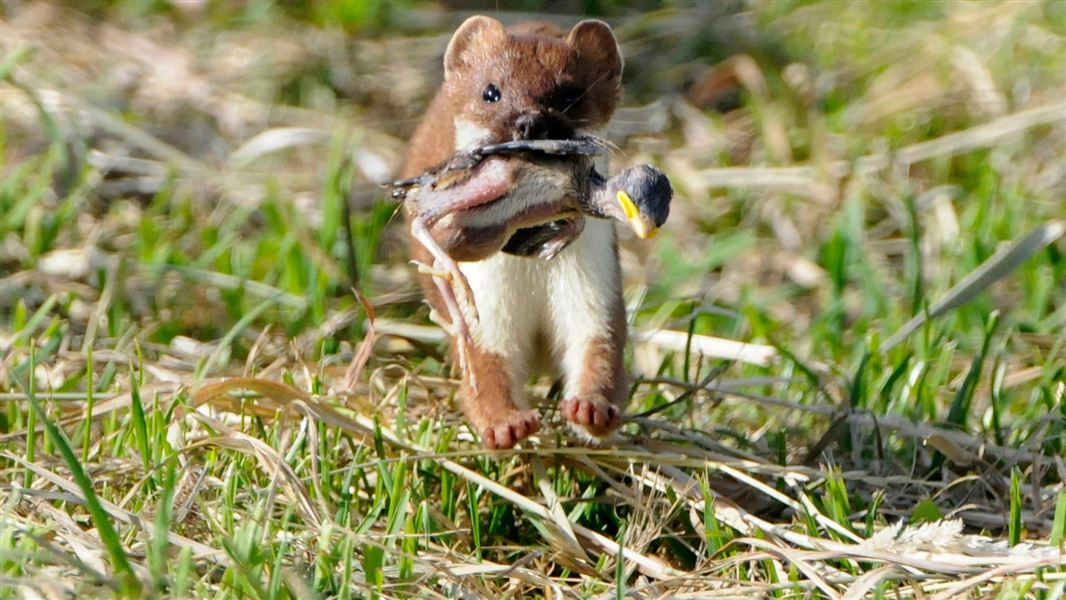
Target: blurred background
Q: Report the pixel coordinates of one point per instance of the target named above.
(244, 140)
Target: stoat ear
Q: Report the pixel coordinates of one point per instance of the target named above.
(594, 42)
(474, 32)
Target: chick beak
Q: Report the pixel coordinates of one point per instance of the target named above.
(642, 226)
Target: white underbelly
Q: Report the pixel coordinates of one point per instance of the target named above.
(520, 298)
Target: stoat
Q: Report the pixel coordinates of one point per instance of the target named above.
(476, 203)
(566, 313)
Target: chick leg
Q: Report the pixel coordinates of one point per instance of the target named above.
(447, 269)
(462, 311)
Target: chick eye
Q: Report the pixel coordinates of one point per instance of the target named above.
(491, 93)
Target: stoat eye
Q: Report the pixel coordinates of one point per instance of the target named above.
(491, 93)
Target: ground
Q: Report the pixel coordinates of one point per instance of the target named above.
(218, 378)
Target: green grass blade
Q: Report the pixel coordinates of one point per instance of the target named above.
(140, 424)
(992, 270)
(105, 529)
(31, 422)
(14, 59)
(475, 518)
(157, 557)
(855, 394)
(36, 319)
(373, 562)
(1014, 527)
(960, 406)
(182, 574)
(1058, 527)
(86, 440)
(620, 564)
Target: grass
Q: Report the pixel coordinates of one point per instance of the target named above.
(194, 403)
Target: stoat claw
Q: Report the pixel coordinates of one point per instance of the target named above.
(515, 428)
(597, 417)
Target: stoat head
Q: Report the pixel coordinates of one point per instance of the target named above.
(515, 85)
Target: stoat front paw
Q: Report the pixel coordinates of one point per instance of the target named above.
(595, 417)
(506, 433)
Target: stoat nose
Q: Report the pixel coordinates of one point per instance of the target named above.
(529, 126)
(541, 126)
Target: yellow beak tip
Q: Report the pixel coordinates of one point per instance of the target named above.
(643, 229)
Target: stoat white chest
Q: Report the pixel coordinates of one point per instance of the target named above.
(520, 298)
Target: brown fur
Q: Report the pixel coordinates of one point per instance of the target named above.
(560, 85)
(495, 414)
(605, 376)
(536, 74)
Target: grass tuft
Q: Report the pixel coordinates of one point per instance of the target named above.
(120, 562)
